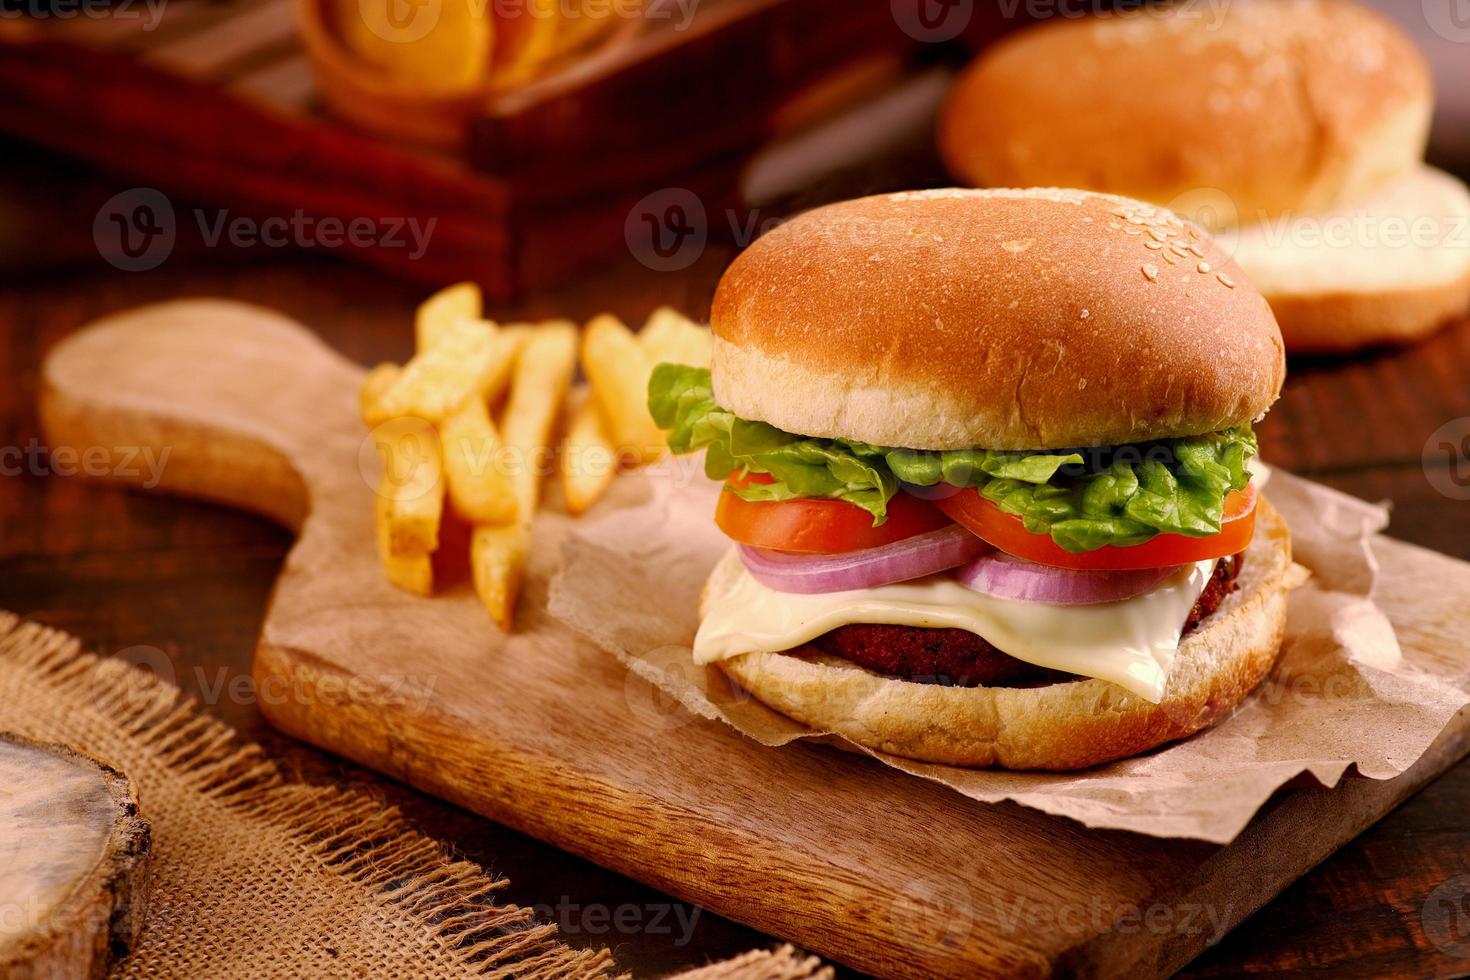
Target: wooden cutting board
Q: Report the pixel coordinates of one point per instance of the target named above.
(546, 734)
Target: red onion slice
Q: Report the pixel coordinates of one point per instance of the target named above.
(911, 558)
(1008, 577)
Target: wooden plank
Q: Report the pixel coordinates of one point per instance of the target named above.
(543, 733)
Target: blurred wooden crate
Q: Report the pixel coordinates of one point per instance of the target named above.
(216, 101)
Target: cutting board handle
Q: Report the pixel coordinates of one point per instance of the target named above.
(204, 398)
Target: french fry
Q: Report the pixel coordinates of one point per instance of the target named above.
(464, 359)
(370, 394)
(411, 493)
(505, 346)
(618, 370)
(588, 460)
(508, 343)
(670, 336)
(498, 564)
(479, 486)
(414, 573)
(448, 305)
(542, 375)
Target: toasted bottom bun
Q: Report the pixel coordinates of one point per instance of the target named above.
(1389, 269)
(1061, 726)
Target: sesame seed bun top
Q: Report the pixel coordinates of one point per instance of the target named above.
(999, 319)
(1270, 106)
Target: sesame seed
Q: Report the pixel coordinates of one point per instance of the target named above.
(1151, 272)
(1204, 267)
(1225, 279)
(1155, 246)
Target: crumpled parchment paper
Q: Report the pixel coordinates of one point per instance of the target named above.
(1345, 695)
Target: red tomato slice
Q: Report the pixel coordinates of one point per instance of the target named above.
(1005, 531)
(820, 527)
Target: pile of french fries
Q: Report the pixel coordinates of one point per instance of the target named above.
(472, 420)
(462, 45)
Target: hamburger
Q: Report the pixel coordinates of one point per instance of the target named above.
(986, 466)
(1294, 129)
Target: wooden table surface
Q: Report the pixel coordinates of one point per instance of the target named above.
(135, 575)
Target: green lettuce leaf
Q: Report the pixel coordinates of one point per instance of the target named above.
(1084, 499)
(1089, 498)
(971, 467)
(682, 402)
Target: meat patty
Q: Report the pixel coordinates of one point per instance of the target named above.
(959, 658)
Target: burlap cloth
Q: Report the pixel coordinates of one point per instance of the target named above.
(257, 875)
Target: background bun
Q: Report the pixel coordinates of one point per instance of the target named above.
(1388, 269)
(1282, 105)
(1060, 726)
(1000, 319)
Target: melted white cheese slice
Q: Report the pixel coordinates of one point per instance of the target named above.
(1129, 643)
